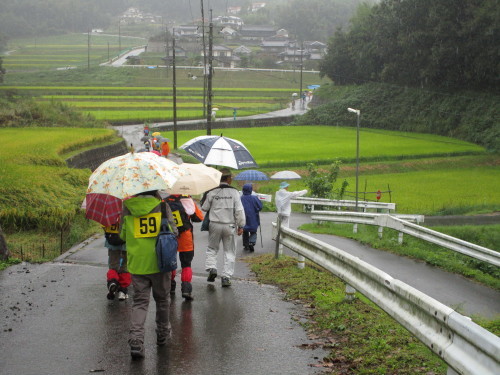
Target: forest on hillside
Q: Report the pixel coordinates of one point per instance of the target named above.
(421, 43)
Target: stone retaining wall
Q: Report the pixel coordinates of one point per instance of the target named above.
(93, 158)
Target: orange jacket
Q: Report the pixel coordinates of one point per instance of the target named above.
(165, 149)
(185, 239)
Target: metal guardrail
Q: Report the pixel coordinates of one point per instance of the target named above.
(466, 347)
(364, 205)
(391, 221)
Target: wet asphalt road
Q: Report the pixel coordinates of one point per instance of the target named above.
(57, 320)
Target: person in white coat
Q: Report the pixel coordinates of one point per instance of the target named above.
(283, 204)
(227, 219)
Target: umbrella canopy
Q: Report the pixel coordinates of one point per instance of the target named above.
(134, 173)
(103, 208)
(251, 175)
(200, 179)
(286, 175)
(156, 134)
(146, 138)
(219, 150)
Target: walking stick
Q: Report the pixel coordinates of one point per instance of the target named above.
(261, 243)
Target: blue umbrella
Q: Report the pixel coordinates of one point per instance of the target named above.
(313, 87)
(251, 175)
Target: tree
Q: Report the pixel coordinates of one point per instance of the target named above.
(448, 43)
(321, 185)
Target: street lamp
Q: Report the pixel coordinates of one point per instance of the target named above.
(357, 112)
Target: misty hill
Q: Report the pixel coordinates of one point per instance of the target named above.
(306, 20)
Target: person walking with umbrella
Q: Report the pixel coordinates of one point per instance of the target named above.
(252, 205)
(227, 219)
(140, 224)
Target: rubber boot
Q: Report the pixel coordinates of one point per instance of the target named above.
(187, 290)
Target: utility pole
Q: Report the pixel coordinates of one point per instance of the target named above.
(204, 59)
(167, 50)
(209, 77)
(119, 36)
(88, 49)
(301, 68)
(174, 90)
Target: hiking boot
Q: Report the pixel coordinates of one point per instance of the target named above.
(187, 290)
(173, 284)
(250, 247)
(112, 288)
(246, 248)
(122, 296)
(136, 349)
(212, 274)
(162, 338)
(225, 281)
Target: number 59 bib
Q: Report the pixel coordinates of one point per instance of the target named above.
(147, 225)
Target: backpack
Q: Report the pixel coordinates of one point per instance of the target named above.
(166, 244)
(181, 218)
(112, 236)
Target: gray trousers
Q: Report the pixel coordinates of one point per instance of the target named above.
(227, 234)
(159, 283)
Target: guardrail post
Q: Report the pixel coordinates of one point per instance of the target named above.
(350, 293)
(400, 238)
(355, 228)
(279, 249)
(301, 262)
(380, 232)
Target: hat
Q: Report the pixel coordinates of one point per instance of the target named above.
(284, 184)
(226, 172)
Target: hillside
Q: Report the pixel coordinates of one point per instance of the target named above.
(465, 115)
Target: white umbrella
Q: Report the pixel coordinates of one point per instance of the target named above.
(133, 173)
(219, 150)
(286, 175)
(200, 179)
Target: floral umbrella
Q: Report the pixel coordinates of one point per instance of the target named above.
(133, 173)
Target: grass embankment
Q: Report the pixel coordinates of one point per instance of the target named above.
(487, 236)
(361, 338)
(37, 189)
(39, 195)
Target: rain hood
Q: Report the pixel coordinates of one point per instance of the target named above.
(247, 189)
(141, 205)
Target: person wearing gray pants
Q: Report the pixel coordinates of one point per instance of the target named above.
(227, 219)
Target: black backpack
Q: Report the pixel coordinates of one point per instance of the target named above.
(181, 218)
(113, 238)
